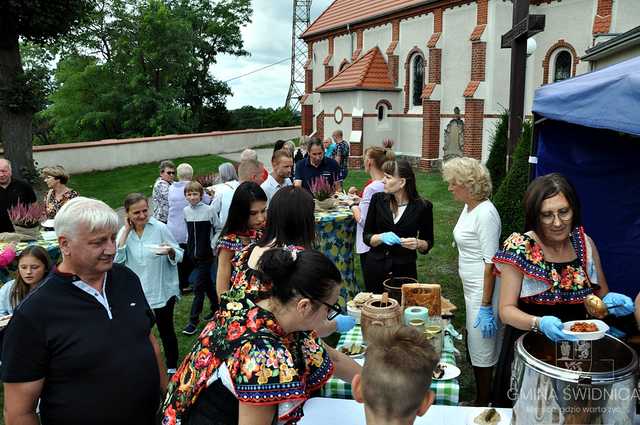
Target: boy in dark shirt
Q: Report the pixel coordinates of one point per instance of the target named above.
(202, 226)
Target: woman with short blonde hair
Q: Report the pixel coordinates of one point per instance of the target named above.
(470, 173)
(56, 179)
(477, 236)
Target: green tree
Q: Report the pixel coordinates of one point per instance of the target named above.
(497, 161)
(509, 197)
(159, 55)
(38, 21)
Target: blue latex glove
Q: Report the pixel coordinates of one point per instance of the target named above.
(552, 327)
(624, 304)
(487, 322)
(390, 238)
(344, 323)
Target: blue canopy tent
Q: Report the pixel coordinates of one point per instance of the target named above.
(587, 128)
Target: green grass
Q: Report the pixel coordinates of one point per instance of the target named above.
(439, 266)
(113, 185)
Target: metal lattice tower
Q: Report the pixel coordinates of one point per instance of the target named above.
(301, 20)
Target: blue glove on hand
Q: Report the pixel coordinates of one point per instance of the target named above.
(623, 304)
(552, 327)
(344, 323)
(390, 238)
(487, 322)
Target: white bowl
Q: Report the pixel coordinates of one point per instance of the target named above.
(603, 328)
(158, 249)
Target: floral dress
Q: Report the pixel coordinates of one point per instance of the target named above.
(52, 205)
(247, 279)
(548, 289)
(243, 355)
(236, 242)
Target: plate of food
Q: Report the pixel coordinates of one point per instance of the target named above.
(487, 416)
(355, 351)
(586, 330)
(158, 249)
(445, 371)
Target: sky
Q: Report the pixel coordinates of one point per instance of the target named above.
(268, 40)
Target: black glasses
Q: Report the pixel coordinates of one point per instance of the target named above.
(334, 310)
(171, 173)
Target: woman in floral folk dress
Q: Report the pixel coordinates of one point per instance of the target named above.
(258, 362)
(547, 272)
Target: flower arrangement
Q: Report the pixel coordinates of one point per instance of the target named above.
(321, 189)
(207, 179)
(27, 215)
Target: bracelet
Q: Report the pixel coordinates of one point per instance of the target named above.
(535, 326)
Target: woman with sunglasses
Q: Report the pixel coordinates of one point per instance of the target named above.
(257, 362)
(547, 272)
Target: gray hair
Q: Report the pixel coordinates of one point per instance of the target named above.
(290, 145)
(94, 214)
(227, 172)
(167, 164)
(248, 154)
(184, 171)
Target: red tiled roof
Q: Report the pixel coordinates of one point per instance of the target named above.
(370, 72)
(343, 12)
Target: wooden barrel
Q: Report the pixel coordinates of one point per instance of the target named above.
(393, 286)
(380, 313)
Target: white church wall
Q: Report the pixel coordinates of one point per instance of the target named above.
(377, 36)
(414, 32)
(409, 140)
(341, 50)
(458, 23)
(626, 15)
(488, 129)
(498, 60)
(568, 20)
(320, 51)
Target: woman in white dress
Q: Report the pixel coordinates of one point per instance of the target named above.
(477, 236)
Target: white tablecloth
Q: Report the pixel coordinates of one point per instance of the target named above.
(325, 411)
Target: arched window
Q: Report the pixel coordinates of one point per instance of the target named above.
(381, 110)
(417, 80)
(562, 68)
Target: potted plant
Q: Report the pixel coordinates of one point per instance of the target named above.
(322, 192)
(26, 218)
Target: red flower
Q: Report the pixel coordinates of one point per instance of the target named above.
(203, 359)
(566, 282)
(253, 324)
(169, 416)
(235, 331)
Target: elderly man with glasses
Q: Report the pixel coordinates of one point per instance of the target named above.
(161, 191)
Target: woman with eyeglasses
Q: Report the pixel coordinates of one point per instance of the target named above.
(258, 362)
(547, 272)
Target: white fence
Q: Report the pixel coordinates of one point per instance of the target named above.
(108, 154)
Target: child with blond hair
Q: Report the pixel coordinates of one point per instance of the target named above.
(395, 381)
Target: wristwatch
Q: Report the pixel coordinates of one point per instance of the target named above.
(535, 324)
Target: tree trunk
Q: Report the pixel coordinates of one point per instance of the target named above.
(15, 125)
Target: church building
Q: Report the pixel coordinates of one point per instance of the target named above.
(431, 74)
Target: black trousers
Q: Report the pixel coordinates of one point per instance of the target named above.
(185, 267)
(201, 287)
(164, 321)
(377, 271)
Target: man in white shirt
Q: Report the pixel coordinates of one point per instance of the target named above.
(249, 170)
(281, 162)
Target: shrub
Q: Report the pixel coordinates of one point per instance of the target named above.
(508, 199)
(496, 163)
